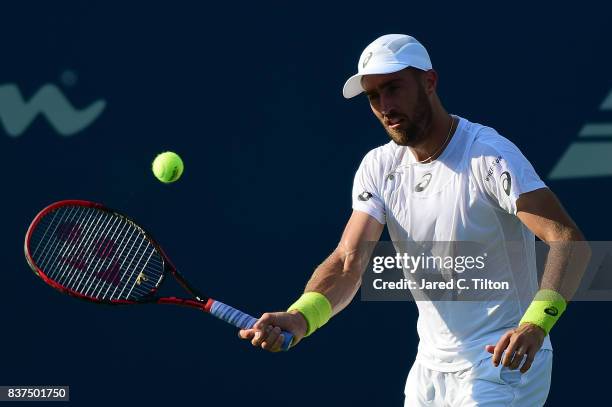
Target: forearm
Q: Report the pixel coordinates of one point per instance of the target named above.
(569, 254)
(565, 264)
(338, 278)
(334, 283)
(567, 260)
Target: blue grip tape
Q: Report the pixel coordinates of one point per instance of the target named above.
(241, 320)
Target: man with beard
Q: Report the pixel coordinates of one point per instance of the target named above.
(442, 178)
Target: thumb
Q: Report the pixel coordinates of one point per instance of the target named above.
(490, 348)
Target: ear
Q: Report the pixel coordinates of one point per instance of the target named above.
(430, 81)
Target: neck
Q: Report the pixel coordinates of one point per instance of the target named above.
(438, 136)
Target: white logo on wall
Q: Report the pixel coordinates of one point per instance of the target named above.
(590, 155)
(17, 114)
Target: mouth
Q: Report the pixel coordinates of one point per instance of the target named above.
(393, 123)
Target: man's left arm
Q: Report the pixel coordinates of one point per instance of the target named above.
(569, 254)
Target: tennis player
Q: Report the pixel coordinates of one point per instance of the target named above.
(444, 178)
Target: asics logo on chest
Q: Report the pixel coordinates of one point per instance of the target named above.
(423, 183)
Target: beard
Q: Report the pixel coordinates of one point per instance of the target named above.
(414, 129)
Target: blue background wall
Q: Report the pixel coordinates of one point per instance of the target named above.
(250, 96)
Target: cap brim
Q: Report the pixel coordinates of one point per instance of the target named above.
(352, 87)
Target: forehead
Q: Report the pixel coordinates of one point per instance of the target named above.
(379, 81)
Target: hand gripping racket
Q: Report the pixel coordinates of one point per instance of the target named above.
(91, 252)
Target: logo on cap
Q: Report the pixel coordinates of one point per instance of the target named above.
(423, 183)
(366, 60)
(506, 182)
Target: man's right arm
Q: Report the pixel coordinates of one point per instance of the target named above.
(338, 278)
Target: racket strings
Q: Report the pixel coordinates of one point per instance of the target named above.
(95, 249)
(50, 246)
(67, 253)
(96, 253)
(90, 247)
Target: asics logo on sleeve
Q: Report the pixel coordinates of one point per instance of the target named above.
(364, 196)
(506, 182)
(423, 183)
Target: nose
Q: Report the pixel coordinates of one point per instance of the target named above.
(385, 105)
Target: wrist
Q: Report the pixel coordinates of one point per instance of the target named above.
(531, 327)
(545, 310)
(315, 308)
(301, 324)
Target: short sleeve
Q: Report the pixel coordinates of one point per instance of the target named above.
(503, 172)
(366, 188)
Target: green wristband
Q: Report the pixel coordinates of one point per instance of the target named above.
(315, 308)
(545, 309)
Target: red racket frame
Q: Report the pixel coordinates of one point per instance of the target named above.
(201, 302)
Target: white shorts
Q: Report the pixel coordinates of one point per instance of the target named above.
(481, 385)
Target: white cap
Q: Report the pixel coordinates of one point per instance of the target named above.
(387, 54)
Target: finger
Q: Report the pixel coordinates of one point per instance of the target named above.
(278, 345)
(274, 341)
(528, 361)
(261, 335)
(512, 346)
(265, 320)
(517, 358)
(500, 347)
(270, 340)
(490, 348)
(246, 333)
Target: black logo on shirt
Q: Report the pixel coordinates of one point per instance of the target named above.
(364, 196)
(423, 183)
(506, 182)
(552, 311)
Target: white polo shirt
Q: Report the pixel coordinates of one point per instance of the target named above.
(468, 194)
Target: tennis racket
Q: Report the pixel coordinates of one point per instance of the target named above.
(91, 252)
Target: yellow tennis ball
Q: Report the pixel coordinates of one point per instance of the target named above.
(168, 167)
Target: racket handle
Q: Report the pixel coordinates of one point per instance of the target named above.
(241, 320)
